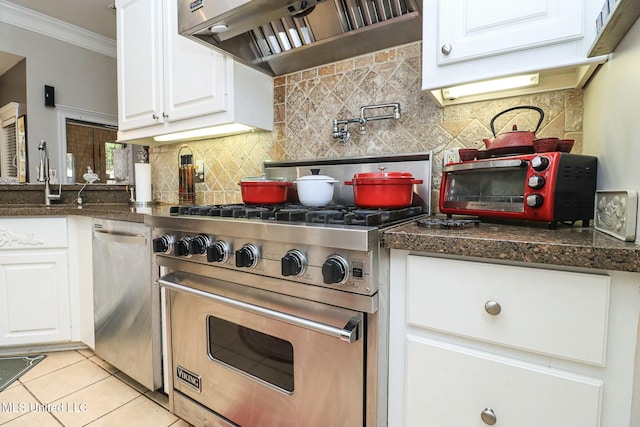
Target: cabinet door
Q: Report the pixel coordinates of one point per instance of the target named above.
(477, 28)
(194, 74)
(450, 386)
(537, 309)
(140, 77)
(34, 297)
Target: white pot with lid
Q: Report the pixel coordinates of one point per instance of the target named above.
(315, 189)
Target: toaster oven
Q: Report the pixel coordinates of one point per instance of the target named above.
(552, 187)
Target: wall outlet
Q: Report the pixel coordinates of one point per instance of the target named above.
(199, 171)
(450, 156)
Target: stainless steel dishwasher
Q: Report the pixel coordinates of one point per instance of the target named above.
(126, 303)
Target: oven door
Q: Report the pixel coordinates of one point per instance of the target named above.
(258, 358)
(484, 187)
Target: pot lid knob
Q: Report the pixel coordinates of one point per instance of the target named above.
(315, 171)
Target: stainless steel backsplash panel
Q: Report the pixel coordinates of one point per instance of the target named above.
(343, 169)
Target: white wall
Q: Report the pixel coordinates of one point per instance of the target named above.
(612, 117)
(82, 79)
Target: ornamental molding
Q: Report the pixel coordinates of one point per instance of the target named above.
(10, 239)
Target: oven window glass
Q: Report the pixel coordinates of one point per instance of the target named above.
(488, 188)
(259, 355)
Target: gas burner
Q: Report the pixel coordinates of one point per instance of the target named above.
(448, 223)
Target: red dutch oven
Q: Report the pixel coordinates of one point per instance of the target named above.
(383, 189)
(261, 190)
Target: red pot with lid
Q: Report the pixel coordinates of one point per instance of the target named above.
(383, 189)
(260, 190)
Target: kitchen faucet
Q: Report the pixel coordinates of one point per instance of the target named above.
(343, 133)
(44, 175)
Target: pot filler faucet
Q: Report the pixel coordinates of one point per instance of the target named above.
(343, 133)
(44, 175)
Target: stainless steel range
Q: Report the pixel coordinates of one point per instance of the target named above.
(278, 315)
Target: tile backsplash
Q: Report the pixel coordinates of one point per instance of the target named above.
(307, 102)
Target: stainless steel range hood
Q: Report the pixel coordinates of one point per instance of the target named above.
(283, 36)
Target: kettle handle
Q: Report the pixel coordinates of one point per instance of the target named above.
(523, 107)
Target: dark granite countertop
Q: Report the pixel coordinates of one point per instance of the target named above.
(572, 246)
(116, 211)
(107, 201)
(566, 246)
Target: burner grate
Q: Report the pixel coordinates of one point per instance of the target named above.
(334, 214)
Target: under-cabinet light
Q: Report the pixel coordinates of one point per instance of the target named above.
(221, 130)
(495, 85)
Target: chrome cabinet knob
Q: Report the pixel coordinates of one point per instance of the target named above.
(492, 307)
(446, 49)
(488, 416)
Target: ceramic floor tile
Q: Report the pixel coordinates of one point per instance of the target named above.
(77, 388)
(14, 402)
(94, 401)
(140, 412)
(86, 352)
(104, 365)
(34, 419)
(65, 381)
(52, 362)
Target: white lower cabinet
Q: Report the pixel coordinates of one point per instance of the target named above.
(479, 343)
(478, 388)
(34, 283)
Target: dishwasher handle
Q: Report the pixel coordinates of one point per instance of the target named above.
(350, 333)
(127, 239)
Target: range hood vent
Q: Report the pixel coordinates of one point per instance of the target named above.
(280, 37)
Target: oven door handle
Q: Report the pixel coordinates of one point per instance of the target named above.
(350, 333)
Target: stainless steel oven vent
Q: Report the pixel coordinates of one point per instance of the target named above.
(280, 37)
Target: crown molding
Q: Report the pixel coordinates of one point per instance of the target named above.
(51, 27)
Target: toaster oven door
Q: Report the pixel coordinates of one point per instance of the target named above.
(494, 186)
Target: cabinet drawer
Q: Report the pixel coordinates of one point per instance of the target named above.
(557, 313)
(518, 394)
(33, 233)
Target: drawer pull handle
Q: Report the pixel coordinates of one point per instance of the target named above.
(488, 416)
(492, 307)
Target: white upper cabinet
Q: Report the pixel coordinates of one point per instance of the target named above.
(466, 41)
(168, 83)
(140, 76)
(479, 28)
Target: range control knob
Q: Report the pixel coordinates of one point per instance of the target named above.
(293, 263)
(218, 251)
(534, 200)
(163, 244)
(536, 182)
(335, 270)
(539, 163)
(199, 244)
(247, 256)
(182, 247)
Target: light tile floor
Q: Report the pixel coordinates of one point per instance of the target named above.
(77, 388)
